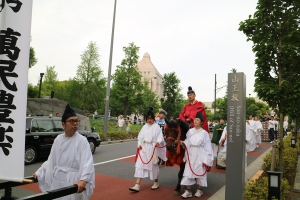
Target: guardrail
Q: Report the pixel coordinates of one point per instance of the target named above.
(7, 186)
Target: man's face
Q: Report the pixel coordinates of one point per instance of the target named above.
(71, 125)
(191, 97)
(222, 121)
(250, 117)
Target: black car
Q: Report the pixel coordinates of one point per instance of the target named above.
(40, 135)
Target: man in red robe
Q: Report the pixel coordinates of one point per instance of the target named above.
(190, 110)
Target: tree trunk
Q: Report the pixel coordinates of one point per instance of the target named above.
(281, 141)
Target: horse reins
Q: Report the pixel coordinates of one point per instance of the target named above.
(138, 154)
(187, 152)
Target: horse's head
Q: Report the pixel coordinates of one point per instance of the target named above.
(172, 130)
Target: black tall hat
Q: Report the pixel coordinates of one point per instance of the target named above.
(200, 116)
(190, 90)
(150, 113)
(69, 112)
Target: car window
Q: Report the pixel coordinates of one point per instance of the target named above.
(34, 127)
(44, 125)
(58, 126)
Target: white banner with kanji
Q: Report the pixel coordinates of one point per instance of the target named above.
(15, 26)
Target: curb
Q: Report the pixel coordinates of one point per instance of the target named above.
(297, 178)
(117, 141)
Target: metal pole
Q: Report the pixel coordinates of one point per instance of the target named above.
(41, 77)
(215, 96)
(109, 74)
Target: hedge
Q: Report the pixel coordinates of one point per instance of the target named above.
(258, 189)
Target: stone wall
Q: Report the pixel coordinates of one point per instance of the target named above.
(45, 107)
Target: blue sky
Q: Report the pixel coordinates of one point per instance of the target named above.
(194, 38)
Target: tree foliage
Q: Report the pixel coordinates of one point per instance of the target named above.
(91, 83)
(171, 94)
(252, 107)
(87, 90)
(50, 81)
(274, 31)
(32, 58)
(146, 99)
(127, 87)
(32, 91)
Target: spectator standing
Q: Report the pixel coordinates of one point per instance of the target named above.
(120, 123)
(276, 128)
(96, 114)
(285, 127)
(271, 127)
(134, 119)
(127, 124)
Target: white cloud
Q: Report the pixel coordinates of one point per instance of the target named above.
(196, 39)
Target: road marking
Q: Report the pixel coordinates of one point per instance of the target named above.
(113, 160)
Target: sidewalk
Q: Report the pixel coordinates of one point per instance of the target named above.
(252, 169)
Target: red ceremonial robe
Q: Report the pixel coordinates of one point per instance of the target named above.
(190, 110)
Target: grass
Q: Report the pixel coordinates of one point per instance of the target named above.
(112, 127)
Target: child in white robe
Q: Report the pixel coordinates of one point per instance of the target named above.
(149, 138)
(198, 156)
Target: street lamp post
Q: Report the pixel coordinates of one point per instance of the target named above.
(41, 78)
(109, 74)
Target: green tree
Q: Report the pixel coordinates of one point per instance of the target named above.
(127, 81)
(146, 99)
(171, 94)
(274, 31)
(68, 91)
(91, 88)
(50, 81)
(32, 91)
(32, 58)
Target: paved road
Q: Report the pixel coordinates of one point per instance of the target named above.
(114, 166)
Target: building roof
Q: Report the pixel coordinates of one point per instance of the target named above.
(146, 63)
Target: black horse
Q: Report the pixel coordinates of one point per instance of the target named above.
(176, 130)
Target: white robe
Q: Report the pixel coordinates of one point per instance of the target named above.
(224, 134)
(221, 159)
(70, 160)
(250, 136)
(258, 128)
(200, 152)
(147, 138)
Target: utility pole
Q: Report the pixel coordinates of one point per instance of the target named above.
(109, 75)
(215, 96)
